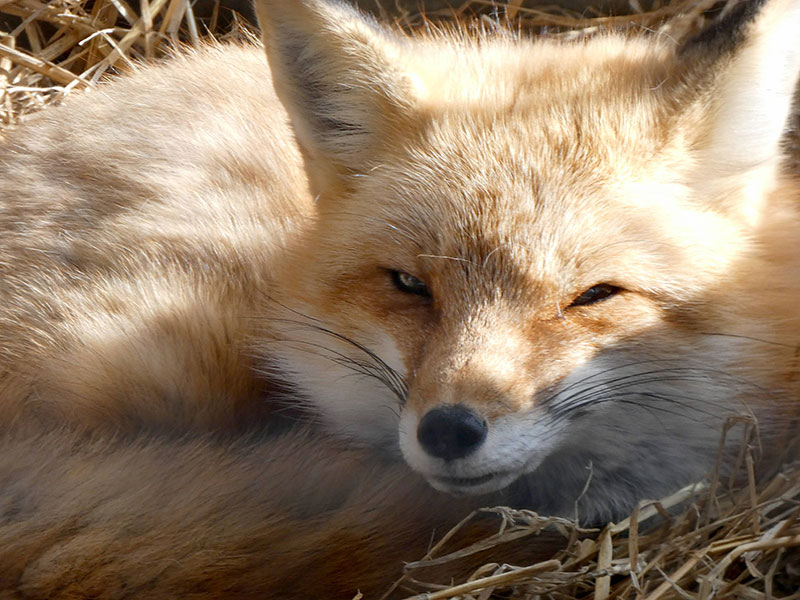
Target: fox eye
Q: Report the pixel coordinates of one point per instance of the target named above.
(409, 284)
(596, 293)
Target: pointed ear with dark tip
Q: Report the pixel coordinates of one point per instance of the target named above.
(753, 58)
(337, 72)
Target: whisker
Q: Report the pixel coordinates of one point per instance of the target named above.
(749, 338)
(605, 389)
(373, 371)
(453, 258)
(635, 363)
(373, 366)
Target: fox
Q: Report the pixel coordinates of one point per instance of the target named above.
(268, 325)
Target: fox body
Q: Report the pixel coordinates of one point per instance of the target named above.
(544, 270)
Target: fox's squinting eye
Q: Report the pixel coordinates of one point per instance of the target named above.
(410, 284)
(596, 293)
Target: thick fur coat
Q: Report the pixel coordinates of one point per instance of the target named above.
(538, 272)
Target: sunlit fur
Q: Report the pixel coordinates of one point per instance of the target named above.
(511, 176)
(186, 255)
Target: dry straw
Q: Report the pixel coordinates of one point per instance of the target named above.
(712, 540)
(732, 537)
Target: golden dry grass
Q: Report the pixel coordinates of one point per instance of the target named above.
(710, 541)
(48, 49)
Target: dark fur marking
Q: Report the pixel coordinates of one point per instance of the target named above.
(726, 34)
(318, 99)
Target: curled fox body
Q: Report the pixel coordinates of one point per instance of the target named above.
(542, 270)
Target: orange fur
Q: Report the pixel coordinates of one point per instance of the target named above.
(199, 254)
(197, 518)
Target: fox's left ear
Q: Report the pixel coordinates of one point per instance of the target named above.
(340, 76)
(751, 58)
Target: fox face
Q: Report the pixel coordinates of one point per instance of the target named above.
(538, 262)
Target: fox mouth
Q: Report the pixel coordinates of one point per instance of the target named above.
(472, 485)
(467, 481)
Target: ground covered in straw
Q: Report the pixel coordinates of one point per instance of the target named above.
(714, 540)
(710, 540)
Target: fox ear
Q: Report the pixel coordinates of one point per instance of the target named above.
(752, 57)
(337, 74)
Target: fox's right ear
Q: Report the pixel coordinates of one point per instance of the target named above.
(339, 75)
(751, 59)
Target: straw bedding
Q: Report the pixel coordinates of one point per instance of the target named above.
(712, 540)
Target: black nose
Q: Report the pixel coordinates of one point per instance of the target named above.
(451, 432)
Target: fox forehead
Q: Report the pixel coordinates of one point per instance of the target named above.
(504, 72)
(551, 168)
(477, 210)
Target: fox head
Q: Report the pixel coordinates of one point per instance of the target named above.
(540, 261)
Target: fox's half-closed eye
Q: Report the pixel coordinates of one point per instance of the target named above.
(405, 282)
(596, 293)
